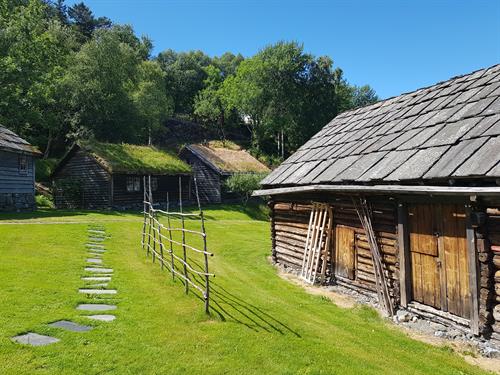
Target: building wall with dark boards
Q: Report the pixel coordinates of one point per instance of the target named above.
(164, 187)
(17, 182)
(208, 181)
(82, 182)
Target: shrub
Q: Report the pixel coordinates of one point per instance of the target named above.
(43, 201)
(44, 168)
(244, 184)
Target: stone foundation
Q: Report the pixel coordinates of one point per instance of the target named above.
(17, 202)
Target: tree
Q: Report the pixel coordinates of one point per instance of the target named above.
(151, 99)
(184, 76)
(100, 82)
(34, 50)
(84, 21)
(363, 95)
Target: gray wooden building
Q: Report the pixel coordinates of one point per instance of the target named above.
(103, 175)
(410, 199)
(17, 172)
(213, 162)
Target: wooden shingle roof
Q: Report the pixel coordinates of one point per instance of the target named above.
(10, 141)
(448, 130)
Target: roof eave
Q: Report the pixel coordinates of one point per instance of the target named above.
(383, 189)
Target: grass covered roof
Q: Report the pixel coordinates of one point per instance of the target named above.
(228, 157)
(126, 158)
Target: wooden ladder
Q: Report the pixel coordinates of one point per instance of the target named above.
(317, 242)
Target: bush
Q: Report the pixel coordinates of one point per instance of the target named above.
(244, 184)
(43, 201)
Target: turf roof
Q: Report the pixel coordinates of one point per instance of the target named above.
(127, 158)
(228, 157)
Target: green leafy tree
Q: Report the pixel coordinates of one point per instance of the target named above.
(151, 99)
(363, 96)
(34, 50)
(184, 77)
(100, 82)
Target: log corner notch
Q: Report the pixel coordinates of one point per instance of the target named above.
(365, 216)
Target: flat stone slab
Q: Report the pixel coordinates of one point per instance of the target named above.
(96, 278)
(98, 231)
(34, 339)
(97, 251)
(94, 245)
(94, 260)
(98, 270)
(98, 291)
(70, 326)
(97, 239)
(102, 318)
(96, 255)
(95, 307)
(100, 275)
(101, 285)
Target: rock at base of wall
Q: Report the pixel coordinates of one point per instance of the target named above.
(17, 202)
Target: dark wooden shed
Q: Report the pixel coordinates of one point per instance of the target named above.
(104, 175)
(213, 162)
(407, 186)
(17, 172)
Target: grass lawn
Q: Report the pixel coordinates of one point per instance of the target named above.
(260, 323)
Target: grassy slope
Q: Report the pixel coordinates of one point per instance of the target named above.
(270, 325)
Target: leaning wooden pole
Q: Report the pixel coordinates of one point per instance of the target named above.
(205, 255)
(170, 236)
(184, 256)
(143, 242)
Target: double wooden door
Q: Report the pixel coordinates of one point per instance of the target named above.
(439, 262)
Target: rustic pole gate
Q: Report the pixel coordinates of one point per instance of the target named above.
(152, 228)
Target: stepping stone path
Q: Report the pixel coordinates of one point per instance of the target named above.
(34, 339)
(96, 272)
(102, 318)
(70, 326)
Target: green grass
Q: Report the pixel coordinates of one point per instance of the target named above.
(137, 159)
(260, 324)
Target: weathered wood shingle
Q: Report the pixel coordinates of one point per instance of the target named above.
(448, 130)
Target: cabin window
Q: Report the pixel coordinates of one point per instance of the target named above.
(154, 183)
(23, 164)
(133, 184)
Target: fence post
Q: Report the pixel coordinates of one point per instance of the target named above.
(144, 209)
(170, 236)
(205, 255)
(153, 218)
(184, 257)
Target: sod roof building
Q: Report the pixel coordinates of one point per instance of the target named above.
(104, 175)
(214, 162)
(400, 199)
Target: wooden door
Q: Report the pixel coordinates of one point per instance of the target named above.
(344, 252)
(438, 248)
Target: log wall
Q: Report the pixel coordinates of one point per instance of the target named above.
(489, 257)
(290, 221)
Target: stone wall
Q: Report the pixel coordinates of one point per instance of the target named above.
(17, 202)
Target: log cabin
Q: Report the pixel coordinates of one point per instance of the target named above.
(102, 175)
(17, 172)
(401, 200)
(213, 162)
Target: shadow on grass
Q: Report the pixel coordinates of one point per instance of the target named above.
(228, 307)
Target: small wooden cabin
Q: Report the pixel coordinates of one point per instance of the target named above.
(104, 175)
(214, 162)
(17, 172)
(424, 168)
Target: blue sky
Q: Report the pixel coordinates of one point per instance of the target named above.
(395, 46)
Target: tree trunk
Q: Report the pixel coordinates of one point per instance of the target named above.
(47, 148)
